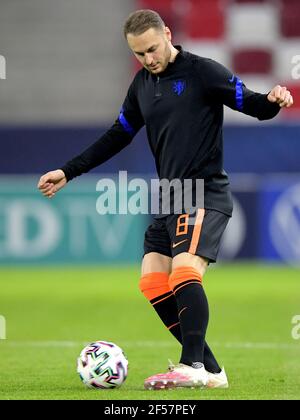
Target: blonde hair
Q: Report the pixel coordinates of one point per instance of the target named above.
(140, 21)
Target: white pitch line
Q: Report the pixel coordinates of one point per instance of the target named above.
(150, 344)
(264, 346)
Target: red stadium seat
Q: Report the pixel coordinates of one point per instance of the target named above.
(155, 4)
(167, 10)
(252, 61)
(205, 19)
(294, 111)
(250, 1)
(164, 7)
(290, 18)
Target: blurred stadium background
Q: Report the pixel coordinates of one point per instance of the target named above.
(67, 72)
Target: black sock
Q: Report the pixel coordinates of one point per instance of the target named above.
(210, 362)
(166, 308)
(193, 315)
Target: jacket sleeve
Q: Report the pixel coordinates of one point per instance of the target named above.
(225, 88)
(129, 122)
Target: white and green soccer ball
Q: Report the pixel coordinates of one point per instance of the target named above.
(102, 365)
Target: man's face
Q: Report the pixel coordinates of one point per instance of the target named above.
(152, 49)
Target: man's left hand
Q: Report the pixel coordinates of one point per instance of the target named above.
(281, 96)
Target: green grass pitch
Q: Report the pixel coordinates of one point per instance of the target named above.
(51, 313)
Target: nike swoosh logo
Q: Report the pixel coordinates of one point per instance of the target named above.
(178, 243)
(232, 79)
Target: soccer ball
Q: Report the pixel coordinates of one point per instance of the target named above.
(102, 365)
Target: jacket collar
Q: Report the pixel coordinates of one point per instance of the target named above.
(175, 65)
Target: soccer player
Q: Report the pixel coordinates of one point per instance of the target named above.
(179, 97)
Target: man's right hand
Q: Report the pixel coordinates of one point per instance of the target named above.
(52, 182)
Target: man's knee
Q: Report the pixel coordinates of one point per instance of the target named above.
(186, 259)
(183, 276)
(153, 285)
(161, 275)
(155, 262)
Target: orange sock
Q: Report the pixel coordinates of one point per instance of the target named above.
(155, 287)
(182, 276)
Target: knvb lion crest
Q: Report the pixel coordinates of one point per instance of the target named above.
(179, 87)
